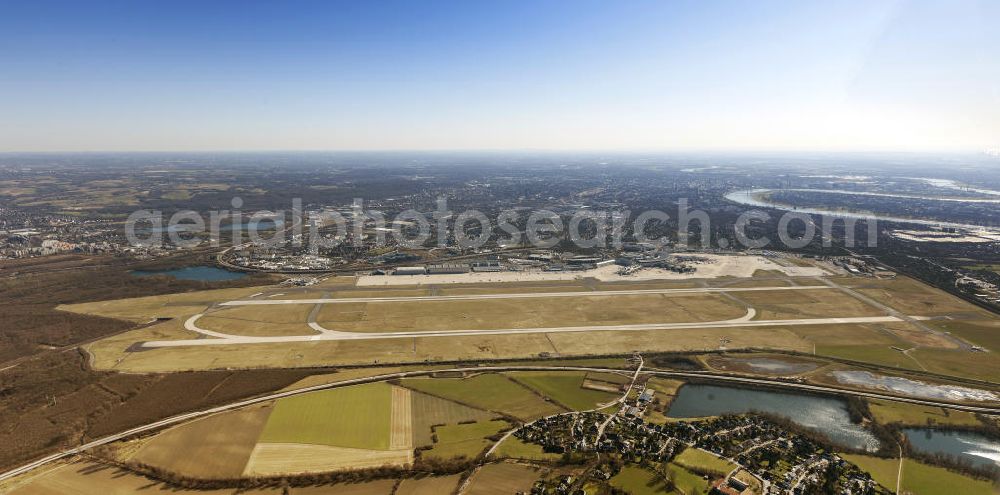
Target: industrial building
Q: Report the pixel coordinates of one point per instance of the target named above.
(410, 270)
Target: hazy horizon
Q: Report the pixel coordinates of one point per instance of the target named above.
(643, 76)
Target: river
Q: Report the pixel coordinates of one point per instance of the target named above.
(755, 198)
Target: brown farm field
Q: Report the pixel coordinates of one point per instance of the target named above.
(428, 485)
(503, 479)
(269, 459)
(377, 487)
(218, 446)
(84, 477)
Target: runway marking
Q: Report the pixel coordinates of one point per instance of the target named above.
(741, 322)
(528, 295)
(324, 334)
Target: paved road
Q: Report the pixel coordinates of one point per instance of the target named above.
(522, 295)
(621, 401)
(313, 315)
(745, 321)
(994, 410)
(899, 472)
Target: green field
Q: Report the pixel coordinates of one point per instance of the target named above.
(883, 471)
(564, 388)
(514, 448)
(687, 482)
(357, 417)
(920, 478)
(984, 333)
(466, 440)
(886, 412)
(429, 411)
(975, 365)
(488, 391)
(700, 461)
(664, 386)
(639, 481)
(882, 354)
(609, 377)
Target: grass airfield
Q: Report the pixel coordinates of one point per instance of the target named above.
(337, 323)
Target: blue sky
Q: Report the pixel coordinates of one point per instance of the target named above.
(628, 75)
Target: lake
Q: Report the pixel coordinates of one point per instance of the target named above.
(822, 414)
(200, 273)
(971, 447)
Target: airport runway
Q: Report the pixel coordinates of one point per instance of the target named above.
(520, 295)
(327, 334)
(746, 321)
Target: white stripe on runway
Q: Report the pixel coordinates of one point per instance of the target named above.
(742, 322)
(523, 295)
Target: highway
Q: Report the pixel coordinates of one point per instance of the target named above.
(711, 376)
